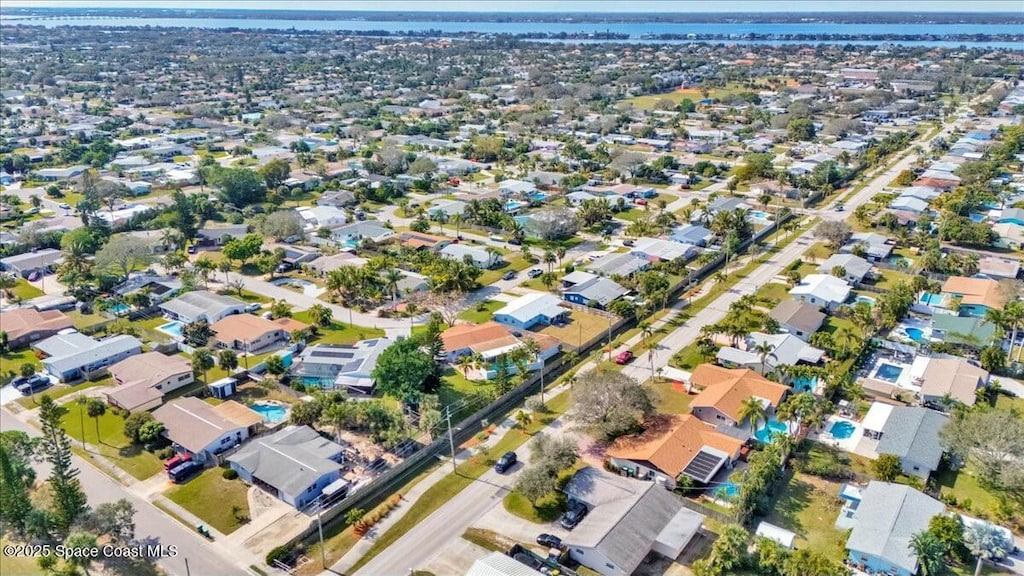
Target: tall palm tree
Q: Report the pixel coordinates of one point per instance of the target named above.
(532, 350)
(752, 411)
(202, 361)
(930, 553)
(321, 315)
(457, 220)
(764, 350)
(391, 279)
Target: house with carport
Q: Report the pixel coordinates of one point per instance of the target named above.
(204, 430)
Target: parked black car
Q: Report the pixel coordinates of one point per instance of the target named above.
(550, 541)
(507, 460)
(33, 384)
(183, 472)
(577, 512)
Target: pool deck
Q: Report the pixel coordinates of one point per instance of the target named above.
(844, 444)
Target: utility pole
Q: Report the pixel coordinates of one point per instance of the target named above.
(451, 439)
(320, 531)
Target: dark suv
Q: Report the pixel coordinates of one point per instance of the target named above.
(507, 460)
(33, 384)
(576, 512)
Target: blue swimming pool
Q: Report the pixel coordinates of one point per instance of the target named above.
(538, 196)
(888, 372)
(512, 206)
(865, 299)
(931, 299)
(916, 334)
(842, 430)
(172, 328)
(772, 428)
(119, 308)
(727, 491)
(758, 215)
(314, 381)
(272, 413)
(805, 383)
(975, 217)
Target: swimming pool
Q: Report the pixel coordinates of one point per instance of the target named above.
(758, 215)
(272, 413)
(805, 383)
(538, 196)
(512, 206)
(900, 261)
(888, 372)
(842, 430)
(770, 430)
(865, 299)
(915, 334)
(727, 491)
(172, 328)
(931, 299)
(119, 308)
(975, 217)
(314, 381)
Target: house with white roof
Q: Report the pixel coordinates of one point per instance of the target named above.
(480, 257)
(822, 290)
(532, 309)
(316, 217)
(342, 367)
(74, 355)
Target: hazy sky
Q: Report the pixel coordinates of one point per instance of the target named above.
(563, 5)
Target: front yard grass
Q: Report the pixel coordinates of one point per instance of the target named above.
(490, 276)
(337, 332)
(62, 390)
(669, 399)
(773, 293)
(214, 499)
(688, 358)
(111, 443)
(24, 291)
(481, 311)
(965, 486)
(11, 361)
(548, 508)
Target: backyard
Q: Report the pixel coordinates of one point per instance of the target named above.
(112, 443)
(808, 507)
(218, 502)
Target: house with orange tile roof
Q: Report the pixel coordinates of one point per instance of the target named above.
(420, 240)
(977, 295)
(486, 342)
(248, 333)
(675, 445)
(723, 391)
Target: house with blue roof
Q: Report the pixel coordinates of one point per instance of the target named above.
(532, 309)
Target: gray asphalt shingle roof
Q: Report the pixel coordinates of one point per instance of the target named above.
(290, 460)
(913, 432)
(887, 518)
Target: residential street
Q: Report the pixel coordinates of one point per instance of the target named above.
(151, 524)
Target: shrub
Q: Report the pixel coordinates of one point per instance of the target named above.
(229, 474)
(279, 554)
(165, 453)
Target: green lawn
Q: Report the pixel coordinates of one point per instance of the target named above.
(247, 296)
(964, 485)
(516, 263)
(688, 358)
(773, 293)
(808, 507)
(214, 499)
(62, 390)
(338, 333)
(670, 400)
(112, 443)
(455, 387)
(85, 321)
(468, 472)
(1005, 402)
(889, 278)
(11, 361)
(24, 291)
(649, 101)
(548, 508)
(834, 323)
(482, 311)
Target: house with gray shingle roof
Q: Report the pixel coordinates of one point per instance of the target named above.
(296, 462)
(912, 434)
(884, 517)
(856, 267)
(596, 292)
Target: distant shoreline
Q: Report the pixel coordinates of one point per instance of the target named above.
(942, 18)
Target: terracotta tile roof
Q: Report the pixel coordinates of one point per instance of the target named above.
(980, 291)
(244, 327)
(420, 240)
(465, 335)
(150, 367)
(671, 442)
(725, 389)
(22, 321)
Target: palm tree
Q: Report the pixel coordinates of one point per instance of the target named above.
(646, 333)
(549, 258)
(464, 364)
(987, 542)
(321, 315)
(532, 349)
(96, 408)
(764, 350)
(391, 279)
(202, 361)
(844, 337)
(752, 411)
(930, 553)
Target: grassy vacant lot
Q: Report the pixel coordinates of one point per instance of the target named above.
(468, 472)
(482, 311)
(337, 332)
(773, 292)
(649, 101)
(582, 326)
(808, 507)
(515, 263)
(112, 443)
(214, 499)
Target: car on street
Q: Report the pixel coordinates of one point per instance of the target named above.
(624, 357)
(840, 207)
(507, 460)
(33, 384)
(510, 275)
(65, 206)
(253, 307)
(534, 272)
(628, 242)
(550, 541)
(574, 515)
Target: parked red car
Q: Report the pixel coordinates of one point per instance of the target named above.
(624, 357)
(177, 460)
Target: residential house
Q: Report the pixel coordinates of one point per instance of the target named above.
(58, 174)
(822, 290)
(627, 521)
(144, 379)
(249, 333)
(295, 464)
(26, 325)
(692, 234)
(784, 350)
(876, 246)
(976, 295)
(480, 257)
(618, 264)
(951, 378)
(970, 331)
(202, 305)
(316, 217)
(659, 250)
(500, 564)
(447, 207)
(912, 434)
(490, 340)
(513, 187)
(325, 264)
(798, 318)
(1009, 236)
(723, 391)
(204, 430)
(670, 446)
(218, 235)
(532, 309)
(353, 234)
(909, 204)
(856, 268)
(998, 268)
(883, 518)
(24, 265)
(341, 367)
(336, 198)
(1012, 216)
(421, 241)
(726, 204)
(156, 288)
(596, 293)
(74, 355)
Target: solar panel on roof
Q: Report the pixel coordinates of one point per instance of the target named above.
(702, 465)
(331, 354)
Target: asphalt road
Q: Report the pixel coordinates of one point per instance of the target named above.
(151, 524)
